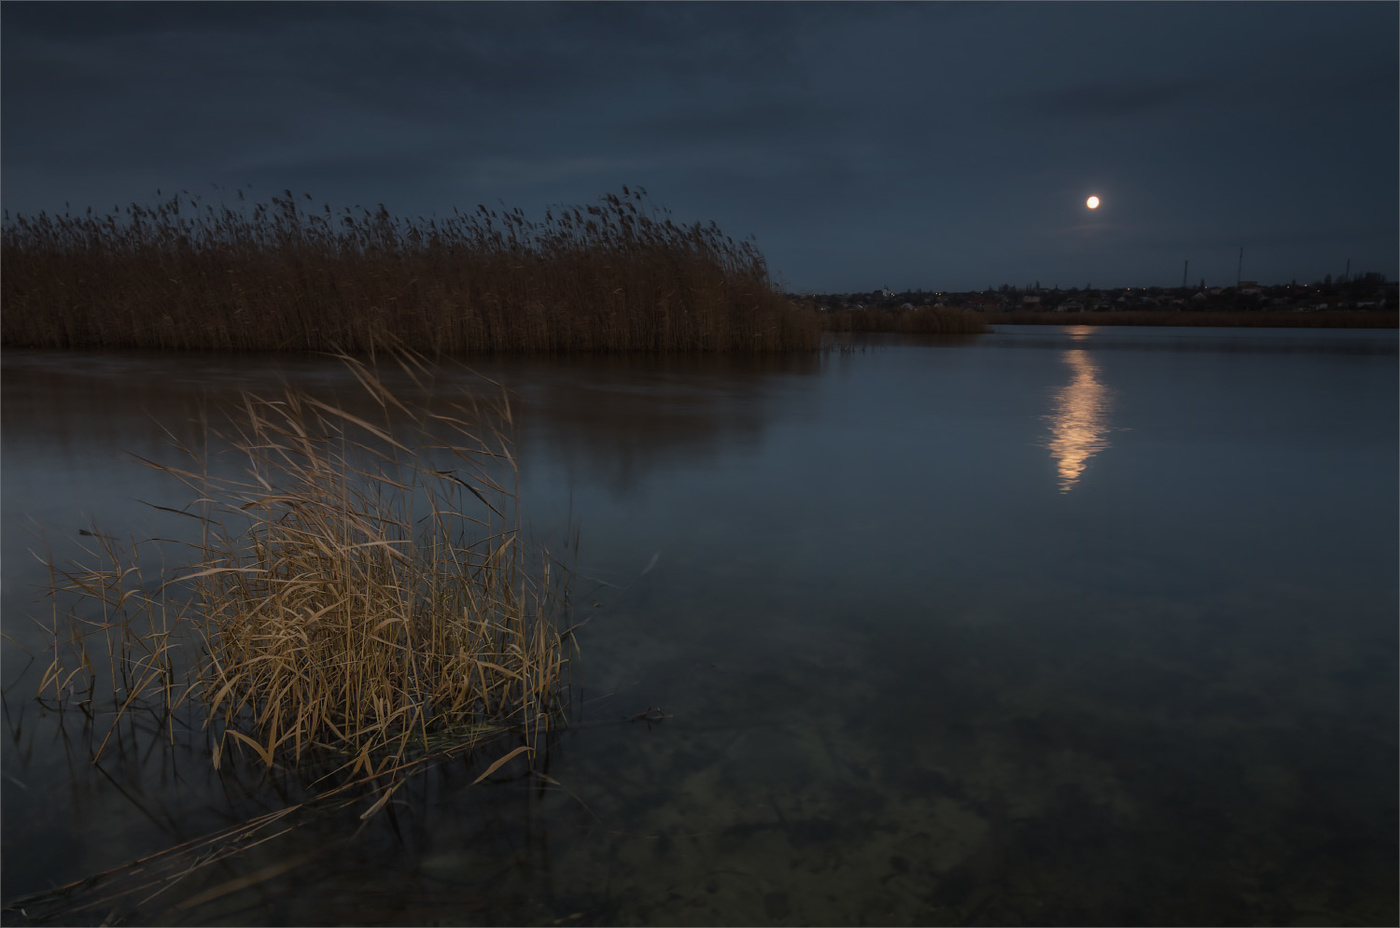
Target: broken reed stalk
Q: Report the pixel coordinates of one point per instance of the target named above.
(183, 275)
(363, 587)
(126, 890)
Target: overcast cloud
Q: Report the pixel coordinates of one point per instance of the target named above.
(926, 145)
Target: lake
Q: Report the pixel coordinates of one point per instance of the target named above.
(1054, 625)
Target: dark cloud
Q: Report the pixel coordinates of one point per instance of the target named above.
(900, 135)
(1107, 99)
(752, 121)
(122, 20)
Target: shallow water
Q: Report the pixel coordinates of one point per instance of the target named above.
(1053, 625)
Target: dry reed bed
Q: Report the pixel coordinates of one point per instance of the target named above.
(1351, 319)
(615, 277)
(360, 588)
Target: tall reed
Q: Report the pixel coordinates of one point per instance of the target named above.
(615, 277)
(361, 586)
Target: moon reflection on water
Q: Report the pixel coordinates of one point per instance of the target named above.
(1079, 424)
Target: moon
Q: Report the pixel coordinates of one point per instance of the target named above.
(1092, 202)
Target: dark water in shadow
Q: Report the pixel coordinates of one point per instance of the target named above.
(1051, 626)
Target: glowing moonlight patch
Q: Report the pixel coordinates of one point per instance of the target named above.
(1092, 202)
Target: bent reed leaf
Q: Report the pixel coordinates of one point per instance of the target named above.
(501, 762)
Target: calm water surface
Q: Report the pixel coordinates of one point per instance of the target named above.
(1048, 626)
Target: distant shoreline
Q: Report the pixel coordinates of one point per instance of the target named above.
(1322, 319)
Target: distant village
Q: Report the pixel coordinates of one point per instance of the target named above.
(1365, 291)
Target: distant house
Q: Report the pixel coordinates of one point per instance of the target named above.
(1070, 306)
(1031, 301)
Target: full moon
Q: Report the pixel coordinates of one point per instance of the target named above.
(1092, 202)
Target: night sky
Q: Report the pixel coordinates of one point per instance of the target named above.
(933, 146)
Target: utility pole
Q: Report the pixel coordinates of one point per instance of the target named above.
(1347, 276)
(1239, 272)
(1183, 273)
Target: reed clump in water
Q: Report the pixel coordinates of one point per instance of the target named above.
(614, 277)
(361, 587)
(920, 320)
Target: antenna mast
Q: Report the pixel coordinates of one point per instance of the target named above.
(1184, 268)
(1239, 273)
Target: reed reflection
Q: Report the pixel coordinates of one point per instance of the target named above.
(1079, 425)
(620, 418)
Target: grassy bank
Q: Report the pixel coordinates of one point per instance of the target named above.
(924, 320)
(616, 277)
(1352, 319)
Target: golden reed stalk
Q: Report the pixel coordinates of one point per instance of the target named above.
(362, 586)
(183, 275)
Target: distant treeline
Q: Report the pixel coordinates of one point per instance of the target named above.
(616, 277)
(926, 320)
